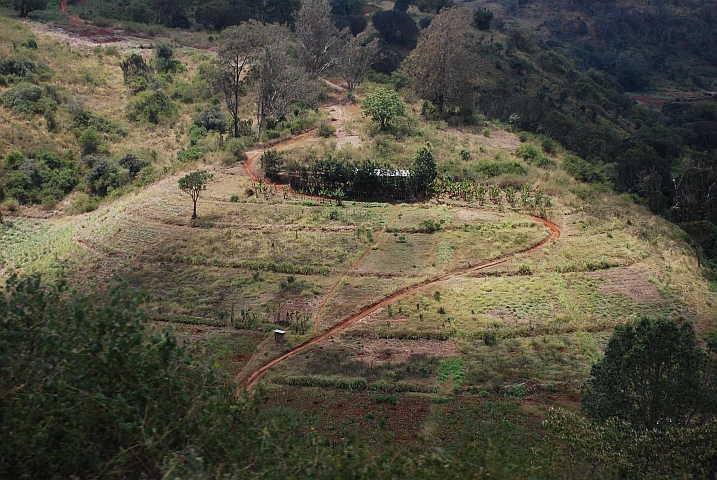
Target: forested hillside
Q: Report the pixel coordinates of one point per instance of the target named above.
(344, 239)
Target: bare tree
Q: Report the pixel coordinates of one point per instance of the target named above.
(441, 67)
(318, 38)
(239, 48)
(356, 57)
(280, 80)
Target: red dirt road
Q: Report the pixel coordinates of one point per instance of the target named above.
(255, 376)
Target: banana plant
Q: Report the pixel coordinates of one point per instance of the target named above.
(480, 194)
(510, 195)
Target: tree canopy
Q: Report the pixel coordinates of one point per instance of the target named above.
(383, 106)
(317, 37)
(193, 184)
(652, 374)
(24, 7)
(441, 67)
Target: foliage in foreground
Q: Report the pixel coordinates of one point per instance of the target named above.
(87, 390)
(652, 398)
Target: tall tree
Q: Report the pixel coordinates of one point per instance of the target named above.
(318, 38)
(219, 14)
(651, 375)
(239, 48)
(699, 232)
(167, 10)
(193, 184)
(423, 170)
(24, 7)
(355, 59)
(280, 80)
(275, 11)
(441, 67)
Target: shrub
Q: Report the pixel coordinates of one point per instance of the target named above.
(90, 141)
(150, 106)
(134, 66)
(133, 163)
(388, 400)
(234, 198)
(325, 130)
(235, 147)
(548, 145)
(189, 155)
(527, 152)
(22, 98)
(582, 170)
(30, 43)
(211, 119)
(13, 160)
(104, 175)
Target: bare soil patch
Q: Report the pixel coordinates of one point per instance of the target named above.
(630, 283)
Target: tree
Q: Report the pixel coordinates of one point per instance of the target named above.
(275, 11)
(395, 27)
(355, 59)
(347, 7)
(383, 105)
(2, 199)
(699, 232)
(271, 162)
(441, 67)
(423, 170)
(168, 11)
(239, 48)
(219, 14)
(164, 58)
(482, 19)
(317, 37)
(280, 81)
(24, 7)
(652, 375)
(401, 5)
(194, 184)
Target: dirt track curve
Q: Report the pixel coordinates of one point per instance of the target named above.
(256, 375)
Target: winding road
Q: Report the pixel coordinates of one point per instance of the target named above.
(256, 375)
(251, 380)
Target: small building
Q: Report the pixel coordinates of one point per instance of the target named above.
(279, 336)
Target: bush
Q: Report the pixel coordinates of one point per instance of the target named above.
(104, 175)
(13, 160)
(548, 145)
(90, 141)
(189, 155)
(150, 106)
(133, 163)
(582, 170)
(23, 98)
(211, 119)
(235, 147)
(325, 130)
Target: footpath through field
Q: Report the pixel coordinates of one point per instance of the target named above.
(248, 167)
(256, 375)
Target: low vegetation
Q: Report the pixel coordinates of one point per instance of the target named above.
(487, 233)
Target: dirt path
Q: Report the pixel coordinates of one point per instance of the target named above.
(255, 376)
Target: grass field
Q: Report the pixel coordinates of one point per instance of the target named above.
(468, 363)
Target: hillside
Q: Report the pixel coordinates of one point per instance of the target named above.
(451, 323)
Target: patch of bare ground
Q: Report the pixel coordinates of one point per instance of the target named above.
(398, 351)
(339, 115)
(628, 282)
